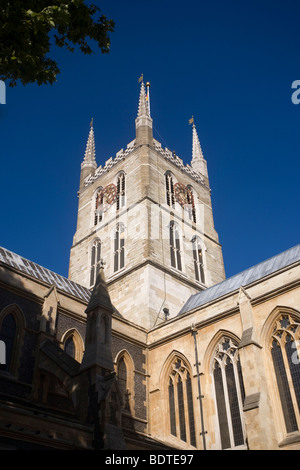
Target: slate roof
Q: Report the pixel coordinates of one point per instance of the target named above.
(42, 274)
(244, 278)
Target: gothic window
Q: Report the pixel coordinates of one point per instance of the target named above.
(70, 347)
(95, 261)
(98, 203)
(124, 374)
(119, 247)
(285, 354)
(8, 335)
(12, 327)
(72, 344)
(191, 204)
(229, 392)
(170, 195)
(175, 252)
(181, 410)
(120, 191)
(198, 260)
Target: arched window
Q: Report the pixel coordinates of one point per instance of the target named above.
(98, 204)
(95, 261)
(285, 354)
(181, 410)
(123, 374)
(119, 247)
(12, 327)
(120, 191)
(191, 204)
(70, 347)
(170, 195)
(229, 392)
(175, 252)
(8, 335)
(198, 260)
(72, 344)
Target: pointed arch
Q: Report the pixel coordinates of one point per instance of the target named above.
(281, 342)
(95, 259)
(97, 202)
(119, 247)
(12, 328)
(121, 190)
(223, 364)
(124, 367)
(199, 250)
(73, 344)
(169, 186)
(176, 384)
(175, 246)
(191, 208)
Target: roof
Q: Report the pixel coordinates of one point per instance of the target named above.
(45, 275)
(250, 275)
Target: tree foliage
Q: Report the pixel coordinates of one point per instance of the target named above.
(28, 28)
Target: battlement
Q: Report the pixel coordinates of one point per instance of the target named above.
(165, 152)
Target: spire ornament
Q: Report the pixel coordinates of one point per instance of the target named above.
(198, 162)
(143, 122)
(89, 164)
(143, 105)
(90, 151)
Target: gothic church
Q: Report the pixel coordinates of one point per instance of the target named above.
(146, 345)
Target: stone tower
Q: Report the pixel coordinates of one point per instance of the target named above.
(149, 217)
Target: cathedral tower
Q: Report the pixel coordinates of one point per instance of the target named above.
(149, 217)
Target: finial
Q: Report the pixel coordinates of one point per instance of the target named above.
(91, 123)
(141, 79)
(191, 121)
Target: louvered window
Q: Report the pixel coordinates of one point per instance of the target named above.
(95, 261)
(175, 252)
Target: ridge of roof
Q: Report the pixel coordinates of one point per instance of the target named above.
(244, 278)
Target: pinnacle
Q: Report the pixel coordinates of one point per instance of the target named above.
(100, 296)
(143, 102)
(90, 152)
(197, 150)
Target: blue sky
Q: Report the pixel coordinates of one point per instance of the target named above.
(229, 64)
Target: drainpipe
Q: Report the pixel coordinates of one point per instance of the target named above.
(200, 396)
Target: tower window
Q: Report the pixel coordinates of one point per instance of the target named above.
(230, 394)
(98, 204)
(191, 204)
(170, 195)
(198, 260)
(119, 248)
(120, 191)
(175, 247)
(95, 261)
(285, 356)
